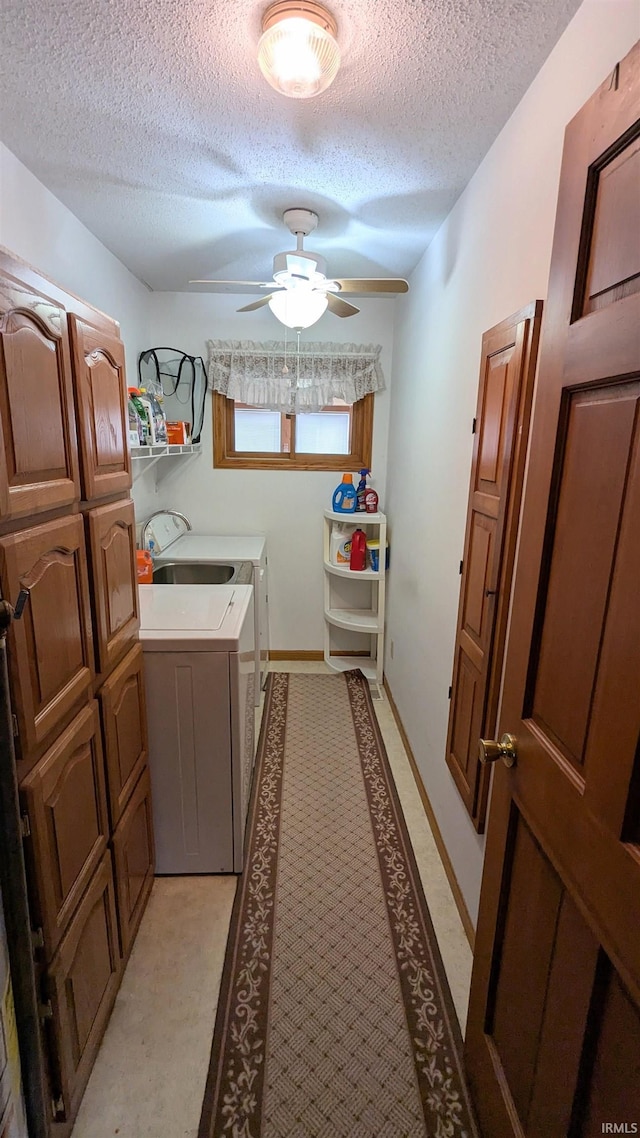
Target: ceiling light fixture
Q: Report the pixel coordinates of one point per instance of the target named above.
(298, 51)
(298, 308)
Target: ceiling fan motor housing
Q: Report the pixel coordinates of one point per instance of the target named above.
(300, 221)
(298, 263)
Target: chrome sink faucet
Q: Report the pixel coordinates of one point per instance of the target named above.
(173, 514)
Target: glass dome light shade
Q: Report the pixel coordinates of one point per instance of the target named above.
(297, 308)
(298, 52)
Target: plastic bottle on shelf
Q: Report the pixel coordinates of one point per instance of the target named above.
(144, 411)
(344, 496)
(362, 490)
(137, 431)
(144, 566)
(358, 559)
(157, 416)
(340, 544)
(370, 501)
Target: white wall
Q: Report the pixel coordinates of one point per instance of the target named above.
(37, 227)
(489, 259)
(287, 506)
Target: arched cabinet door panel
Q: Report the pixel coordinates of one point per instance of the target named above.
(50, 647)
(133, 855)
(124, 723)
(81, 983)
(100, 388)
(64, 796)
(112, 544)
(38, 449)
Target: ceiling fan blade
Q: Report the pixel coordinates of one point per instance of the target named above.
(254, 284)
(372, 284)
(340, 307)
(256, 304)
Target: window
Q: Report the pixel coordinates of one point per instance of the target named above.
(338, 437)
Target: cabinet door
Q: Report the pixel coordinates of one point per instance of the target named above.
(66, 802)
(133, 853)
(50, 647)
(38, 451)
(112, 539)
(124, 722)
(82, 983)
(101, 398)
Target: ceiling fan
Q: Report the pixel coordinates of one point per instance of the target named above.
(301, 273)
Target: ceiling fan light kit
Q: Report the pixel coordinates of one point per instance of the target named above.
(298, 308)
(298, 51)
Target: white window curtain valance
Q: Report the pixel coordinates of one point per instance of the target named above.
(293, 380)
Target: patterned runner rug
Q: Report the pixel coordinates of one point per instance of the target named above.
(335, 1018)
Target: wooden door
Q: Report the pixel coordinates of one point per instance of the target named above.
(82, 983)
(553, 1037)
(133, 854)
(501, 430)
(50, 647)
(101, 396)
(112, 544)
(66, 804)
(124, 722)
(38, 450)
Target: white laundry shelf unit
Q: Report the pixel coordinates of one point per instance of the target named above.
(146, 457)
(367, 620)
(161, 450)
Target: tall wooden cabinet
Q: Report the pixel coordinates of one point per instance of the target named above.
(67, 552)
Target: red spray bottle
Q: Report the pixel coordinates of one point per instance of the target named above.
(358, 559)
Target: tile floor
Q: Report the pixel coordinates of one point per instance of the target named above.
(149, 1075)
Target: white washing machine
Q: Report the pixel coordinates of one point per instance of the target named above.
(199, 658)
(173, 544)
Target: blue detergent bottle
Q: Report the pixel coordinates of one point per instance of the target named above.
(345, 498)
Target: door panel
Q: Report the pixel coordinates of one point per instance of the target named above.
(100, 385)
(553, 1036)
(50, 650)
(613, 268)
(133, 852)
(124, 721)
(38, 450)
(66, 802)
(501, 427)
(599, 427)
(82, 981)
(112, 540)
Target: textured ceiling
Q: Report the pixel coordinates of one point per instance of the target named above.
(150, 120)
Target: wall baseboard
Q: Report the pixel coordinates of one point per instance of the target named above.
(304, 654)
(467, 923)
(294, 654)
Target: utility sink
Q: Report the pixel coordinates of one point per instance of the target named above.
(196, 573)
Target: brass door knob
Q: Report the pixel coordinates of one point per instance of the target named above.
(490, 750)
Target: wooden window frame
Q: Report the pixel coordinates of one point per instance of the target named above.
(225, 454)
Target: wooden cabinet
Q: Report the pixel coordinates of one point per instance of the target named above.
(50, 647)
(133, 853)
(66, 804)
(124, 722)
(38, 450)
(82, 983)
(63, 448)
(112, 543)
(99, 376)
